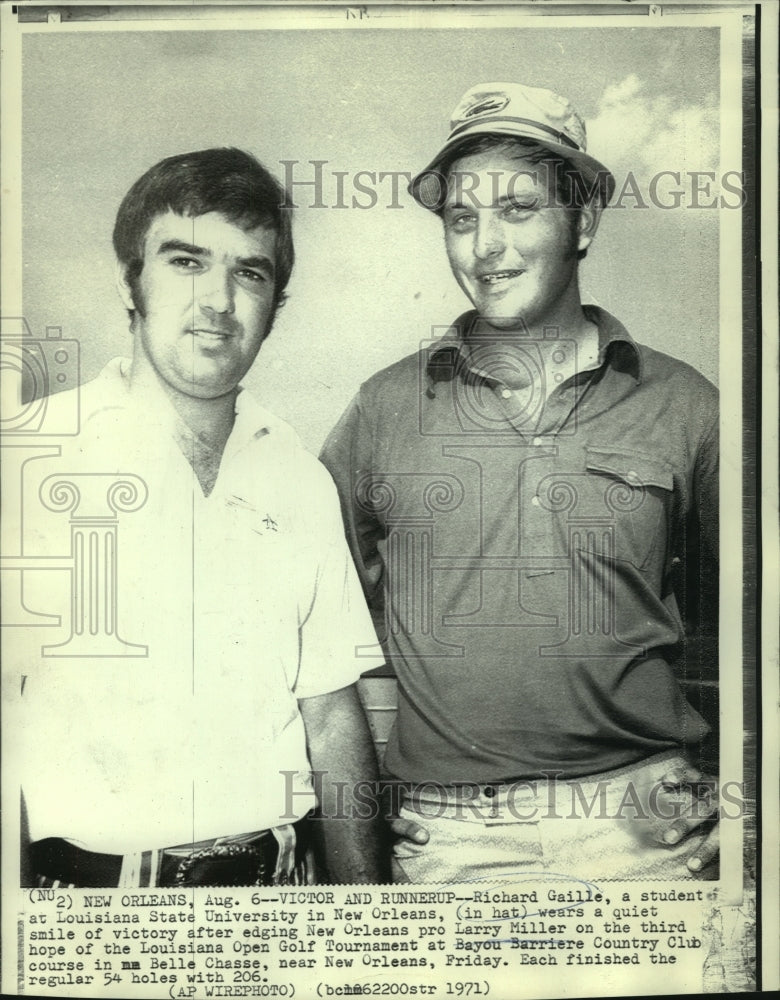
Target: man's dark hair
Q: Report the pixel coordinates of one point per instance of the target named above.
(224, 180)
(571, 188)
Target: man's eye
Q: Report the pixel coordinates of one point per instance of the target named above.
(515, 208)
(461, 221)
(255, 277)
(185, 263)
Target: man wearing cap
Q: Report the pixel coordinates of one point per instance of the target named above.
(517, 496)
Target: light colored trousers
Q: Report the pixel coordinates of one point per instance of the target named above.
(605, 826)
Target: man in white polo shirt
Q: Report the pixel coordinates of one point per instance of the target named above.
(178, 749)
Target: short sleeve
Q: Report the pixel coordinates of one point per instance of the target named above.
(338, 641)
(347, 455)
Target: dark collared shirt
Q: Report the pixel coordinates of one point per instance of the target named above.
(518, 549)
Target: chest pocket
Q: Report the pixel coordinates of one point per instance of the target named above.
(633, 492)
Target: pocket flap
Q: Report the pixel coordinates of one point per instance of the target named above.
(630, 467)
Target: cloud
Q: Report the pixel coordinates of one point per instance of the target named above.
(647, 134)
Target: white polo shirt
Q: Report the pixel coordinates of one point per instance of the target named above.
(246, 600)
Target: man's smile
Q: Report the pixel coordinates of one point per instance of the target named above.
(210, 336)
(496, 277)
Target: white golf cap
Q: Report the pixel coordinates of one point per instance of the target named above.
(515, 111)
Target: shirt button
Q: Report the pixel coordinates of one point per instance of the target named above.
(535, 501)
(506, 393)
(536, 442)
(490, 791)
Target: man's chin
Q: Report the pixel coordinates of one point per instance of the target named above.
(214, 392)
(209, 388)
(502, 323)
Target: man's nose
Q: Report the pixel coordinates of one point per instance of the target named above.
(489, 238)
(215, 291)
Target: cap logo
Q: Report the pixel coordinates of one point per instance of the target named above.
(486, 106)
(518, 112)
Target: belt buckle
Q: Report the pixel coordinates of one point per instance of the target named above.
(188, 866)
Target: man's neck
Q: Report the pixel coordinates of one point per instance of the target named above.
(567, 343)
(201, 427)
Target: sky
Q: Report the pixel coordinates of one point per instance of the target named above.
(371, 283)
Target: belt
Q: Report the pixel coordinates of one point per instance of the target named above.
(265, 857)
(456, 791)
(476, 794)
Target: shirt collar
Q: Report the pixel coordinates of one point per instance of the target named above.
(449, 356)
(252, 420)
(616, 345)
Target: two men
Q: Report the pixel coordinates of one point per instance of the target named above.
(207, 660)
(517, 497)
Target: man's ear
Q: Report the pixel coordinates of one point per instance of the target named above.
(123, 286)
(590, 216)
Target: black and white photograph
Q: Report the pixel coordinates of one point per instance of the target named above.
(386, 592)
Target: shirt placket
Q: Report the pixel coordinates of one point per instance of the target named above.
(542, 536)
